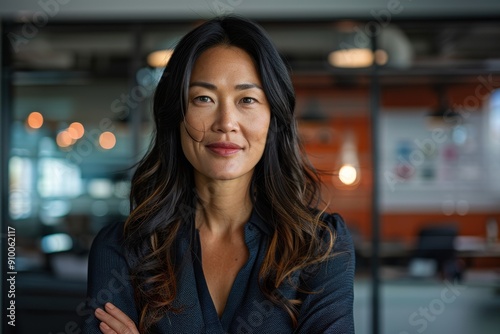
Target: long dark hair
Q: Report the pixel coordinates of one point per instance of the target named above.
(284, 186)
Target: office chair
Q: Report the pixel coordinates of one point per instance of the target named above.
(436, 248)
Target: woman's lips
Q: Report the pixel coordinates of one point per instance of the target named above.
(224, 148)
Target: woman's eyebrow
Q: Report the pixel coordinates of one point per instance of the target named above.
(203, 84)
(244, 86)
(210, 86)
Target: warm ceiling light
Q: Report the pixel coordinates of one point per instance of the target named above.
(159, 58)
(356, 58)
(107, 140)
(351, 58)
(64, 139)
(348, 174)
(35, 120)
(76, 130)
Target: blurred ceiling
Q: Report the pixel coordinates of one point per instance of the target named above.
(415, 47)
(259, 9)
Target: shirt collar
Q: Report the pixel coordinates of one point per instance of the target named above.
(258, 221)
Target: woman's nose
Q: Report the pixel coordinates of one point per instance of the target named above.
(226, 118)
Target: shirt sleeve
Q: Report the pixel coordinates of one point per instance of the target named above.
(330, 308)
(108, 278)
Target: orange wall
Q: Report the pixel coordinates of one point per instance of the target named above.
(355, 204)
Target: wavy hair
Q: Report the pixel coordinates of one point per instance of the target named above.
(284, 185)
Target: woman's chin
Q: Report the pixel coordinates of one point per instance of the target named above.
(228, 175)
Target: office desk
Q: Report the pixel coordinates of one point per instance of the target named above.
(395, 258)
(466, 247)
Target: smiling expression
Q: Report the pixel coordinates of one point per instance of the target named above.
(224, 131)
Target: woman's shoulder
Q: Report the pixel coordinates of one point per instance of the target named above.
(109, 237)
(339, 262)
(336, 224)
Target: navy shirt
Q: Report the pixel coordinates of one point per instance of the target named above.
(328, 310)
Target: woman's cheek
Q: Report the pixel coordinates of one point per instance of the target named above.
(195, 126)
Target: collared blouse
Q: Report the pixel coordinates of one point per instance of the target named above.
(329, 309)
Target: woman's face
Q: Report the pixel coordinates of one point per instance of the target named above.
(225, 128)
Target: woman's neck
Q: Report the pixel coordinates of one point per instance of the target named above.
(225, 205)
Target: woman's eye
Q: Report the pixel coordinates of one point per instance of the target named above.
(248, 100)
(203, 99)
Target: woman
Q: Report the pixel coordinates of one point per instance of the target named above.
(224, 234)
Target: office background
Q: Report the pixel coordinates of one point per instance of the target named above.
(407, 132)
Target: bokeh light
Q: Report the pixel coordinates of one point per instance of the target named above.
(76, 130)
(357, 58)
(159, 58)
(107, 140)
(348, 174)
(64, 139)
(35, 120)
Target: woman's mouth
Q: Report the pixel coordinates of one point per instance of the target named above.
(224, 148)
